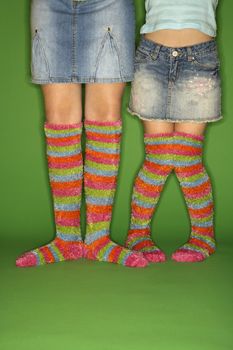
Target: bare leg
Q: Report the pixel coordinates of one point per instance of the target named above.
(103, 133)
(63, 104)
(191, 128)
(158, 127)
(103, 102)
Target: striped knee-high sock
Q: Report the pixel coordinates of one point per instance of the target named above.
(196, 187)
(65, 173)
(146, 193)
(100, 179)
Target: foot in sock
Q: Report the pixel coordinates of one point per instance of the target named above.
(65, 173)
(56, 251)
(146, 193)
(100, 179)
(103, 249)
(196, 187)
(141, 241)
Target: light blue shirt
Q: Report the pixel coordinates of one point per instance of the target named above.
(180, 14)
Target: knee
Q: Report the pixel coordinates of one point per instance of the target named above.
(196, 129)
(63, 104)
(63, 115)
(103, 109)
(103, 114)
(103, 118)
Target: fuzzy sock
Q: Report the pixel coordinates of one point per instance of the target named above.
(196, 187)
(65, 173)
(146, 193)
(100, 179)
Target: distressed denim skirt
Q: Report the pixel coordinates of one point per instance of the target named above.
(176, 84)
(84, 41)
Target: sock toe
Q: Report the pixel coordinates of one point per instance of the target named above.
(187, 256)
(26, 260)
(155, 257)
(136, 260)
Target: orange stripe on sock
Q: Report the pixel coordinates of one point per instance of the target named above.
(67, 214)
(114, 254)
(61, 160)
(48, 256)
(66, 185)
(101, 155)
(193, 150)
(63, 246)
(99, 209)
(208, 231)
(171, 148)
(142, 211)
(101, 179)
(156, 167)
(149, 188)
(143, 244)
(191, 168)
(60, 140)
(139, 231)
(100, 242)
(201, 244)
(198, 189)
(91, 135)
(202, 211)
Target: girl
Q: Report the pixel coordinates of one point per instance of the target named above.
(75, 42)
(176, 92)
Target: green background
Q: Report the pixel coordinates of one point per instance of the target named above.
(97, 306)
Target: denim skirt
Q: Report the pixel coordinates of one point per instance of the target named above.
(176, 84)
(84, 41)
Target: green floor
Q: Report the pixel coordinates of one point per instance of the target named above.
(88, 305)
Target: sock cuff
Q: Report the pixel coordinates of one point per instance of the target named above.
(153, 141)
(57, 131)
(158, 135)
(104, 132)
(189, 136)
(53, 126)
(104, 123)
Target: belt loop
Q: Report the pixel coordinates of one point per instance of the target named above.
(190, 54)
(155, 52)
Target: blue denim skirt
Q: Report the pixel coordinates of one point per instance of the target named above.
(84, 41)
(176, 84)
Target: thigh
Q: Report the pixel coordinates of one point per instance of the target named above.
(158, 127)
(103, 101)
(191, 128)
(63, 103)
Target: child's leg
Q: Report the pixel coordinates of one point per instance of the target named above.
(196, 186)
(65, 172)
(148, 187)
(103, 137)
